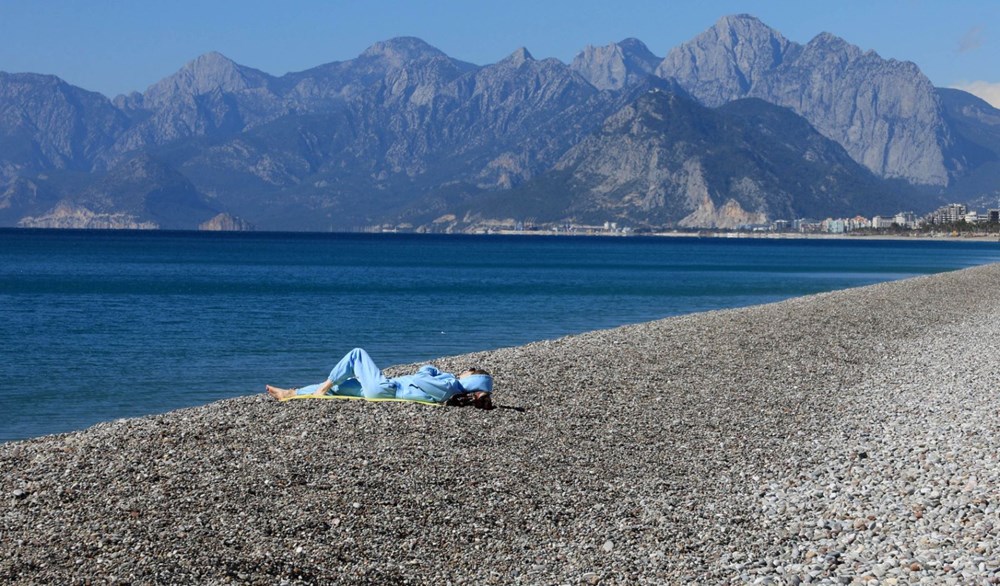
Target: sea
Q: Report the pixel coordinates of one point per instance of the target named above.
(101, 325)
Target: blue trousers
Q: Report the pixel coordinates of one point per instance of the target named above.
(356, 375)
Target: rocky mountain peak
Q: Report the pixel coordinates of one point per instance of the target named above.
(635, 47)
(883, 112)
(832, 45)
(747, 36)
(12, 79)
(213, 60)
(205, 74)
(48, 123)
(741, 23)
(518, 57)
(616, 65)
(728, 60)
(400, 50)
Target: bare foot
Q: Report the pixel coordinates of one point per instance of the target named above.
(279, 393)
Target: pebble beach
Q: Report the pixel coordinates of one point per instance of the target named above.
(843, 438)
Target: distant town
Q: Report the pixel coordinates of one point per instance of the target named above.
(951, 220)
(954, 217)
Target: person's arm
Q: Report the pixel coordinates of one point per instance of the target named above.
(440, 386)
(477, 399)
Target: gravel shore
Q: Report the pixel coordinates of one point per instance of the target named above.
(848, 437)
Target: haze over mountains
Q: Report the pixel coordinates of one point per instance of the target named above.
(737, 126)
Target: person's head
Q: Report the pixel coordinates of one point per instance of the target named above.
(476, 379)
(479, 384)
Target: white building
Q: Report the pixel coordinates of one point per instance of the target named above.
(948, 214)
(881, 222)
(906, 219)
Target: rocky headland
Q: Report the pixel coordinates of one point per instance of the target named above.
(847, 437)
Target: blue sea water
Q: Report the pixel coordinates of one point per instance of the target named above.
(98, 325)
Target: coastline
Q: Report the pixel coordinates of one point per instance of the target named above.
(988, 238)
(937, 237)
(822, 437)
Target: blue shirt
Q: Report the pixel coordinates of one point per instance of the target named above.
(428, 384)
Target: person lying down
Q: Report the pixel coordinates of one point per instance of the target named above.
(357, 376)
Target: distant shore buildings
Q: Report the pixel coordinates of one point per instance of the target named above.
(948, 215)
(952, 217)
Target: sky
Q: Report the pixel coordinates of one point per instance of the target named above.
(119, 46)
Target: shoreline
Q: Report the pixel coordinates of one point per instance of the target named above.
(822, 437)
(765, 236)
(986, 238)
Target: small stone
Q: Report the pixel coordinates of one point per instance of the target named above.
(608, 546)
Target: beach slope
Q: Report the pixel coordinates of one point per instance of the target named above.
(847, 436)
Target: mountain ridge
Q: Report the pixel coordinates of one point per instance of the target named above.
(403, 126)
(665, 160)
(830, 83)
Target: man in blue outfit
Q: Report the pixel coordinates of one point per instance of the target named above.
(356, 375)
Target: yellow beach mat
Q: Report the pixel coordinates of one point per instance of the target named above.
(353, 398)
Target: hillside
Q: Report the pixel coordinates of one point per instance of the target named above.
(405, 133)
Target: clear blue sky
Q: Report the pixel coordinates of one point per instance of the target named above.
(117, 46)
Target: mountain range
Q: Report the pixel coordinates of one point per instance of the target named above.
(737, 126)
